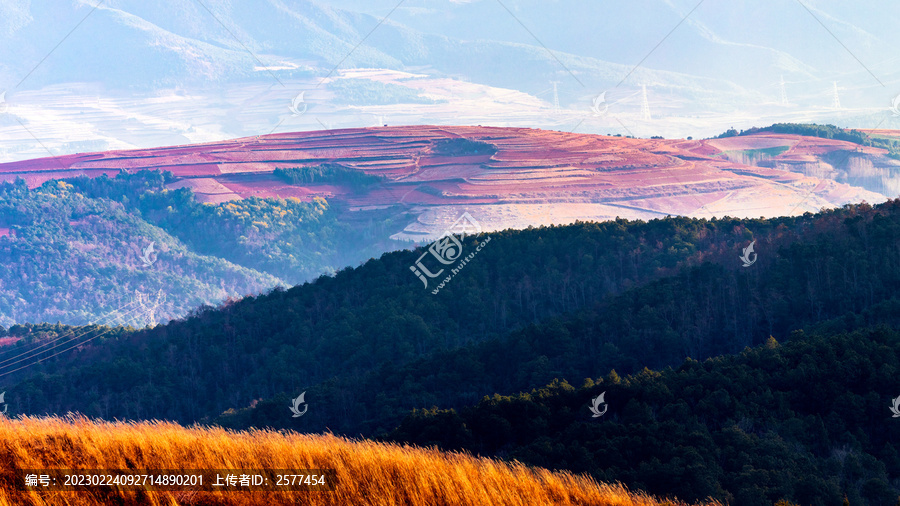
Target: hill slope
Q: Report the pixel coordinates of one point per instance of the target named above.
(292, 207)
(370, 343)
(864, 159)
(365, 472)
(69, 257)
(808, 420)
(651, 294)
(524, 177)
(105, 242)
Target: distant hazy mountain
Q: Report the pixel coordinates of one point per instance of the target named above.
(135, 43)
(141, 74)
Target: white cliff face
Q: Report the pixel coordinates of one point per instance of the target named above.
(880, 175)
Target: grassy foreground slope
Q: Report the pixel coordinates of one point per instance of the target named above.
(367, 472)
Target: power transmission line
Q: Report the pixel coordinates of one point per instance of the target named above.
(142, 311)
(784, 100)
(108, 330)
(71, 332)
(555, 96)
(645, 104)
(55, 346)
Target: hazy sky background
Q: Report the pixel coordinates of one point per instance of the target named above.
(150, 73)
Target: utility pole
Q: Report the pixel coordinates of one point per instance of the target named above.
(555, 97)
(645, 104)
(150, 307)
(783, 93)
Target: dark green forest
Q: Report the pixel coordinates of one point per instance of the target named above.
(75, 258)
(327, 173)
(463, 147)
(540, 307)
(808, 421)
(74, 247)
(288, 238)
(824, 132)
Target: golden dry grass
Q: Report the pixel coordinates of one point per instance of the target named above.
(368, 473)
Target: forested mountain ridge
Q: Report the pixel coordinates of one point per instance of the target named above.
(75, 250)
(837, 265)
(289, 238)
(366, 324)
(807, 421)
(339, 198)
(379, 313)
(67, 256)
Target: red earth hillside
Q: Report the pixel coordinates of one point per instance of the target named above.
(529, 177)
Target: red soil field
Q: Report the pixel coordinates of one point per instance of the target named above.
(529, 166)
